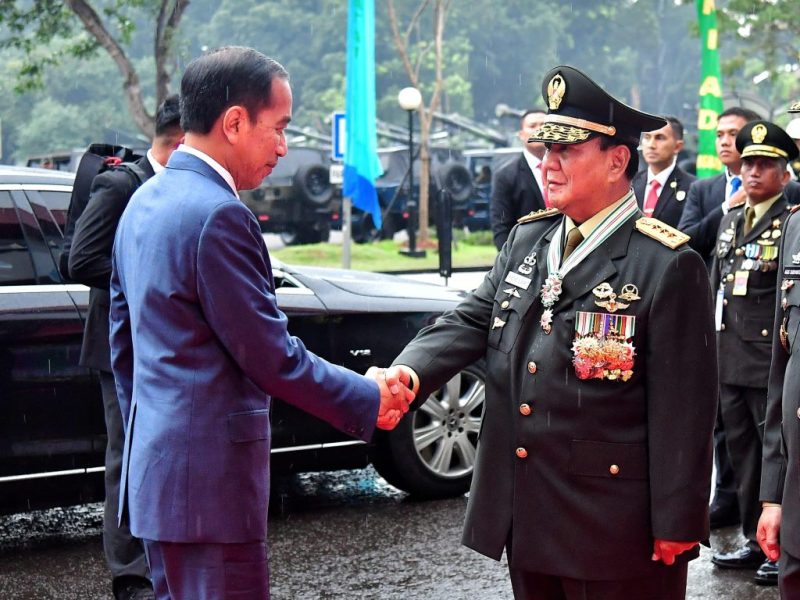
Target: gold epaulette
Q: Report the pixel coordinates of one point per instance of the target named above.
(535, 215)
(669, 236)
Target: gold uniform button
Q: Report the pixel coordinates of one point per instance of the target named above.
(764, 332)
(525, 409)
(505, 304)
(532, 367)
(522, 453)
(739, 252)
(724, 302)
(613, 469)
(729, 277)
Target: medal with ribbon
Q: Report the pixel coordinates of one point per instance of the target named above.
(551, 289)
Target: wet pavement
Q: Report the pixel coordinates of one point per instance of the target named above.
(345, 534)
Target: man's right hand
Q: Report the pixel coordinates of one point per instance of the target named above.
(769, 528)
(394, 385)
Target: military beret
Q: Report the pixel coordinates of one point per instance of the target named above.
(762, 138)
(795, 108)
(577, 108)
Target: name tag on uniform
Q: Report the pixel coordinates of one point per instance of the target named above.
(791, 272)
(518, 280)
(740, 283)
(718, 309)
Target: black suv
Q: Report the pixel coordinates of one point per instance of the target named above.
(297, 199)
(52, 434)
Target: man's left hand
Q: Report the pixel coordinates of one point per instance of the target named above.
(666, 550)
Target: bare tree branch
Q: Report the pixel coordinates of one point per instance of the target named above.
(131, 86)
(169, 16)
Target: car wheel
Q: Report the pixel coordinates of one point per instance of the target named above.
(312, 184)
(431, 453)
(456, 179)
(305, 234)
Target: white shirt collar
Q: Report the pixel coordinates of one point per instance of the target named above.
(223, 172)
(157, 166)
(533, 160)
(662, 176)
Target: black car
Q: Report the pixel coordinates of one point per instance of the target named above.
(52, 434)
(297, 199)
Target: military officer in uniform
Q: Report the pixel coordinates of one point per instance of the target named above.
(594, 461)
(780, 467)
(744, 272)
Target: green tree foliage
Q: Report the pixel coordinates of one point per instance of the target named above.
(766, 48)
(643, 51)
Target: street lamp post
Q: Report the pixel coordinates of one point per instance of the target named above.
(410, 100)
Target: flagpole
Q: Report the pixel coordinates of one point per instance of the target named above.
(347, 222)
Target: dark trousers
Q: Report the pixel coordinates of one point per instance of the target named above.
(668, 584)
(789, 576)
(124, 553)
(208, 571)
(743, 414)
(725, 483)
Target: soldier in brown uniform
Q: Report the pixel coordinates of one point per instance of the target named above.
(780, 468)
(744, 272)
(596, 324)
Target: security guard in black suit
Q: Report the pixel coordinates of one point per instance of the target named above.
(594, 461)
(780, 468)
(517, 187)
(744, 271)
(90, 264)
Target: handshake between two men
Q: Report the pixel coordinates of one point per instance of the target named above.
(396, 385)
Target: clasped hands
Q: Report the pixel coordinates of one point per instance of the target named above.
(396, 395)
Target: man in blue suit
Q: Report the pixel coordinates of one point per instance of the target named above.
(198, 344)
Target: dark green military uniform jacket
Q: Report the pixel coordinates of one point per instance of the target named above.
(585, 472)
(780, 468)
(743, 276)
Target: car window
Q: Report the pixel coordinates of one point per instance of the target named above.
(50, 208)
(16, 267)
(44, 259)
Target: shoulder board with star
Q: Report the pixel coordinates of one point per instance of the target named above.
(659, 231)
(535, 215)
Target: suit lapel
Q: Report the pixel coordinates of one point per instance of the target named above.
(639, 185)
(667, 194)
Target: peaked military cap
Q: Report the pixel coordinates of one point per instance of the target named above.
(762, 138)
(795, 108)
(577, 108)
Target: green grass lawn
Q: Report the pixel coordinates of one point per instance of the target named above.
(384, 256)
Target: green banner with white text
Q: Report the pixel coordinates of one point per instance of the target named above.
(708, 162)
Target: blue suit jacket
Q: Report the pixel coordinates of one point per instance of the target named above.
(198, 346)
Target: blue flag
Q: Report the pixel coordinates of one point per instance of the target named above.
(361, 164)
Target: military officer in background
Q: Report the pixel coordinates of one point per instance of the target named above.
(780, 468)
(744, 272)
(594, 464)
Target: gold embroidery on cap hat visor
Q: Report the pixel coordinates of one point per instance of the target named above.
(758, 133)
(795, 108)
(560, 134)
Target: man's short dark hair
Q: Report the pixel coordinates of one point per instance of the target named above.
(168, 115)
(531, 111)
(607, 142)
(228, 76)
(676, 125)
(737, 111)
